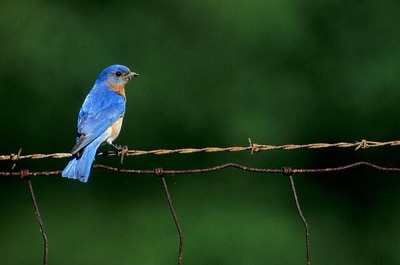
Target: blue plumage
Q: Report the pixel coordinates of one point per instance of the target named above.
(99, 119)
(79, 167)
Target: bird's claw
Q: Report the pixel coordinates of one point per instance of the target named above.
(122, 151)
(118, 147)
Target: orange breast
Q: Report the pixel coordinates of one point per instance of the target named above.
(119, 89)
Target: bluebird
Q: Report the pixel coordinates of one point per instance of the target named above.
(99, 120)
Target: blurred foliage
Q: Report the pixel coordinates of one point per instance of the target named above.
(212, 73)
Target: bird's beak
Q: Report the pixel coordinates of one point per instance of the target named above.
(130, 76)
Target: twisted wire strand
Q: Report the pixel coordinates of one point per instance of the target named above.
(252, 147)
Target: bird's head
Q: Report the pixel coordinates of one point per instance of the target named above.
(117, 75)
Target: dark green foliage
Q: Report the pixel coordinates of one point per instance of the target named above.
(212, 73)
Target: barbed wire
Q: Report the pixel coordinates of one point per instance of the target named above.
(252, 147)
(159, 172)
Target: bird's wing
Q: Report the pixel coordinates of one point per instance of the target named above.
(95, 118)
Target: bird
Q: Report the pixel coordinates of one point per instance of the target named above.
(99, 120)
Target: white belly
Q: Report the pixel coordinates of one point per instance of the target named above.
(113, 131)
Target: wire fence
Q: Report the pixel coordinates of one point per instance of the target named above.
(26, 174)
(252, 147)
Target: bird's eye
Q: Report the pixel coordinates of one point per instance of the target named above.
(118, 73)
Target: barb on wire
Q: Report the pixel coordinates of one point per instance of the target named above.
(16, 159)
(159, 172)
(252, 147)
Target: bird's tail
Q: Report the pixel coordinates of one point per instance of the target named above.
(79, 167)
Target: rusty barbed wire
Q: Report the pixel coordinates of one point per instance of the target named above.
(252, 147)
(287, 171)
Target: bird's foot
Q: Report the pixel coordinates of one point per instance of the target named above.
(118, 147)
(122, 151)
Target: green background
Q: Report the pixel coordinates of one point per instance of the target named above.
(212, 73)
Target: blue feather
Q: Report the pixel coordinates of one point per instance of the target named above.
(79, 167)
